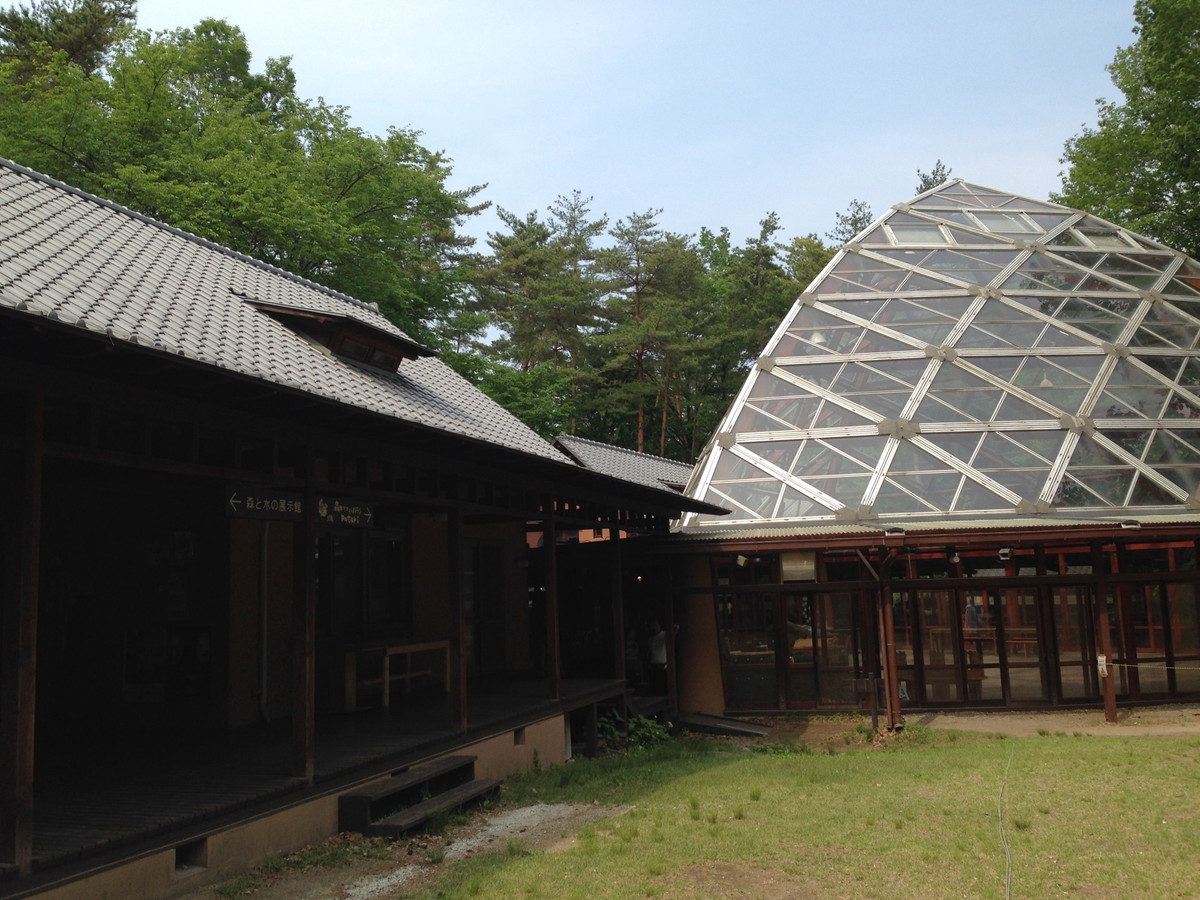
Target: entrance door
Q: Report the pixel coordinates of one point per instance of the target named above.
(1075, 641)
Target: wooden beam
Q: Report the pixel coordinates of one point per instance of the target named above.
(18, 656)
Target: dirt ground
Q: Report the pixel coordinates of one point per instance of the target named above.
(553, 827)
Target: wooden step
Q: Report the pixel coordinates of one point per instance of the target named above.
(400, 823)
(359, 807)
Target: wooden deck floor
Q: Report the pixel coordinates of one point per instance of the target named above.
(122, 794)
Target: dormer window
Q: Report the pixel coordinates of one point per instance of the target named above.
(349, 337)
(364, 352)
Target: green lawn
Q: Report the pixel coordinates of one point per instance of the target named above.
(928, 814)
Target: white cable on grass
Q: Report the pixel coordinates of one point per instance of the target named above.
(1000, 825)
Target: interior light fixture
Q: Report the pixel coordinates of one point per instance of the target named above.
(1005, 553)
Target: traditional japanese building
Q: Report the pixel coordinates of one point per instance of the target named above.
(967, 465)
(259, 548)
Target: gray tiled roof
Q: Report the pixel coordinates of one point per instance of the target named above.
(629, 465)
(88, 263)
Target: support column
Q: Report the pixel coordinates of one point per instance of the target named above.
(18, 655)
(458, 622)
(304, 632)
(672, 631)
(553, 646)
(1104, 638)
(617, 582)
(887, 637)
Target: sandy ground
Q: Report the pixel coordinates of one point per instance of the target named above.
(553, 827)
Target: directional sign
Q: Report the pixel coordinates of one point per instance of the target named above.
(337, 511)
(249, 502)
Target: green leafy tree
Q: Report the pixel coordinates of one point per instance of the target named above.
(805, 257)
(83, 30)
(179, 127)
(847, 224)
(1140, 165)
(927, 181)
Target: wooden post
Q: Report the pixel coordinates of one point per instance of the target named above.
(618, 600)
(18, 657)
(887, 638)
(1104, 641)
(458, 622)
(553, 647)
(304, 632)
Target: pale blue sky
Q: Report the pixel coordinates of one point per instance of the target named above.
(714, 112)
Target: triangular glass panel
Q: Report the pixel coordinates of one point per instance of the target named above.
(783, 414)
(866, 450)
(821, 374)
(734, 468)
(974, 497)
(1089, 454)
(962, 446)
(875, 236)
(767, 384)
(820, 459)
(1049, 221)
(1053, 337)
(1014, 409)
(756, 497)
(1043, 272)
(1033, 206)
(847, 490)
(1029, 449)
(956, 395)
(874, 342)
(1007, 223)
(1132, 442)
(779, 453)
(925, 233)
(1174, 447)
(927, 492)
(909, 459)
(794, 505)
(1164, 326)
(1186, 477)
(1189, 373)
(971, 266)
(1073, 494)
(1181, 289)
(1188, 276)
(1026, 483)
(1000, 450)
(1181, 407)
(857, 273)
(1131, 392)
(814, 332)
(884, 375)
(969, 238)
(833, 416)
(1103, 320)
(1067, 238)
(919, 282)
(863, 308)
(1146, 493)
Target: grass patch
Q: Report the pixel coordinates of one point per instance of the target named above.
(912, 814)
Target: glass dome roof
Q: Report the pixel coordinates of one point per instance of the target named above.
(971, 355)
